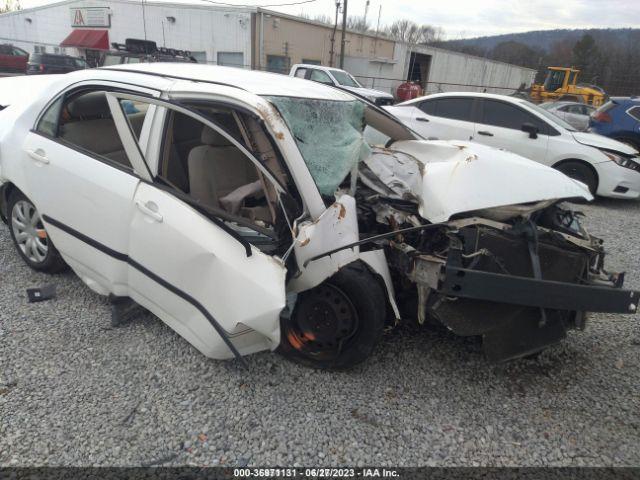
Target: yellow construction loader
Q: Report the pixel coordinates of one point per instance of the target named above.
(561, 84)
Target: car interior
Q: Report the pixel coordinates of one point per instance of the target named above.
(86, 122)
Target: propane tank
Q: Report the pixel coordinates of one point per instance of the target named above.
(408, 91)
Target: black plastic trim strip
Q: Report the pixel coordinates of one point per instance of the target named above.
(145, 271)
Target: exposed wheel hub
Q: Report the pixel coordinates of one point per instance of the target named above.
(324, 317)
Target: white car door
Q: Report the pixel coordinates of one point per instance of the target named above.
(192, 267)
(82, 182)
(500, 124)
(444, 118)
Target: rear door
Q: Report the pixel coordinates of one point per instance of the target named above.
(82, 182)
(445, 118)
(500, 125)
(196, 270)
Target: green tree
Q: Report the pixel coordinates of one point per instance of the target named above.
(586, 57)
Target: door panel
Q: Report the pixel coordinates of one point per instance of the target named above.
(208, 270)
(445, 119)
(500, 125)
(86, 195)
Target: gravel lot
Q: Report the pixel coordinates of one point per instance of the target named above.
(74, 391)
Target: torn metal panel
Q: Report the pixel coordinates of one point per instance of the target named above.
(337, 226)
(449, 178)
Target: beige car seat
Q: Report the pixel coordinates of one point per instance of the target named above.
(217, 168)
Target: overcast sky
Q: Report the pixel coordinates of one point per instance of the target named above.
(470, 18)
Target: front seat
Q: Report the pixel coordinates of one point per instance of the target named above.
(217, 168)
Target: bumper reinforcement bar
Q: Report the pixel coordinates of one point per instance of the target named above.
(496, 287)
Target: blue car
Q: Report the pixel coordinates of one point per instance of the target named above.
(619, 119)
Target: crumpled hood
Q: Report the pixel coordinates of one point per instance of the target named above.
(600, 141)
(368, 92)
(451, 177)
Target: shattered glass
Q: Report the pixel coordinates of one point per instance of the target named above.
(329, 136)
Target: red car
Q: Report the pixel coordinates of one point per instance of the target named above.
(12, 59)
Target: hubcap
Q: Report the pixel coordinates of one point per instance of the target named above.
(29, 232)
(324, 319)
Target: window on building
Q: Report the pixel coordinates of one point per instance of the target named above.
(308, 61)
(201, 57)
(278, 63)
(231, 59)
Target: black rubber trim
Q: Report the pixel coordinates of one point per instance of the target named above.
(145, 271)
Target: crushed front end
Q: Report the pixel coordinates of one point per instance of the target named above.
(520, 284)
(517, 274)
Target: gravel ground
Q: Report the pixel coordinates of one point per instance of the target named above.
(74, 391)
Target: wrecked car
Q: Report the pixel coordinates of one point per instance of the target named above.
(252, 211)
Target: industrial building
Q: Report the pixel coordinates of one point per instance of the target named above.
(250, 38)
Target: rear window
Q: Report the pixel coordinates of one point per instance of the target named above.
(453, 108)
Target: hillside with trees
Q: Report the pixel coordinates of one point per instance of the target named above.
(609, 58)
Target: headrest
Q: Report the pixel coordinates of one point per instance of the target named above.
(92, 104)
(213, 138)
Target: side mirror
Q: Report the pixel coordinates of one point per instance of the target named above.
(531, 129)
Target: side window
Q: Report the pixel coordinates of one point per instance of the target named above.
(635, 113)
(84, 120)
(300, 72)
(454, 108)
(501, 114)
(429, 107)
(215, 173)
(321, 77)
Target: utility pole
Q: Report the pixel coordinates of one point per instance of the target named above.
(344, 30)
(332, 52)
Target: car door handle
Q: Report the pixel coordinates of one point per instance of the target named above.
(422, 119)
(485, 133)
(38, 155)
(150, 209)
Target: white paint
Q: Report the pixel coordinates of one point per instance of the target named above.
(549, 150)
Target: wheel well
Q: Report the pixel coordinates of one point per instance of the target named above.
(5, 192)
(577, 160)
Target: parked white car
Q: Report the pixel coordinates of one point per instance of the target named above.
(342, 79)
(575, 114)
(247, 211)
(608, 167)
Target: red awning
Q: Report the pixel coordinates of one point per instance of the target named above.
(92, 39)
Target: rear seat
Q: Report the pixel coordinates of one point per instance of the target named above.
(92, 128)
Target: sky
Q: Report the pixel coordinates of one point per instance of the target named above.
(468, 18)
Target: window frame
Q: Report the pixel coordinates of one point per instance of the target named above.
(90, 86)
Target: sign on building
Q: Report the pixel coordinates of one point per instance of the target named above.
(91, 17)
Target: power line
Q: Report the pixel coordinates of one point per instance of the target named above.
(259, 6)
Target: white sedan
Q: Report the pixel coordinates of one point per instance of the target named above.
(248, 212)
(608, 167)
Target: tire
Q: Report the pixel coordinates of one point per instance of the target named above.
(29, 236)
(580, 171)
(337, 324)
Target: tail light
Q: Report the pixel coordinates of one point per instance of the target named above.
(602, 117)
(41, 67)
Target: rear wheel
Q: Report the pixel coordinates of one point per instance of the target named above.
(30, 237)
(580, 171)
(337, 324)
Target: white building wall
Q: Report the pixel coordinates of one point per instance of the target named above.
(198, 29)
(449, 71)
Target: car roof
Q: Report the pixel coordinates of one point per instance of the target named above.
(256, 82)
(318, 67)
(494, 96)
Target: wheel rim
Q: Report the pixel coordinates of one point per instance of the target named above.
(29, 231)
(323, 321)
